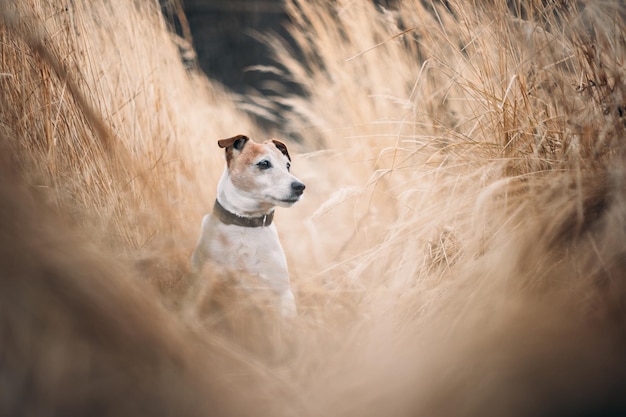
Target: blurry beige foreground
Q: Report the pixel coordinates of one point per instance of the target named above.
(460, 251)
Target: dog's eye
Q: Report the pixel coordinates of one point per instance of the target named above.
(288, 166)
(264, 164)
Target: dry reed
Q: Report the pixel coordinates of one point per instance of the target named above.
(463, 243)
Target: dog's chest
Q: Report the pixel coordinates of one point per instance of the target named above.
(255, 250)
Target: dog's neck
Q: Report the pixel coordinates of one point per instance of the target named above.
(237, 202)
(227, 217)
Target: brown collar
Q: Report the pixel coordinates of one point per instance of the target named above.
(227, 217)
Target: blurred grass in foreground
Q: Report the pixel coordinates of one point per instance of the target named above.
(460, 251)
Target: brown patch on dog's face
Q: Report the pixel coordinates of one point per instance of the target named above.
(243, 169)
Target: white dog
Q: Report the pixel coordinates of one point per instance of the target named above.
(240, 233)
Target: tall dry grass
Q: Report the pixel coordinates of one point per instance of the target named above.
(460, 250)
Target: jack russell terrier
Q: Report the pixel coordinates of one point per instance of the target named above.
(240, 232)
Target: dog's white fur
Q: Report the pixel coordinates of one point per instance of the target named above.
(255, 180)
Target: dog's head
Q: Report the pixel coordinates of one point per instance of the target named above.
(261, 170)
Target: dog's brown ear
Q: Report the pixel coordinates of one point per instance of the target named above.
(236, 142)
(281, 147)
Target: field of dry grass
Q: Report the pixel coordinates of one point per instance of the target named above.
(460, 251)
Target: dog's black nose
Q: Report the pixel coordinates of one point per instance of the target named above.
(297, 187)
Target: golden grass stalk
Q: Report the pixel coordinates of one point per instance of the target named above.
(460, 250)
